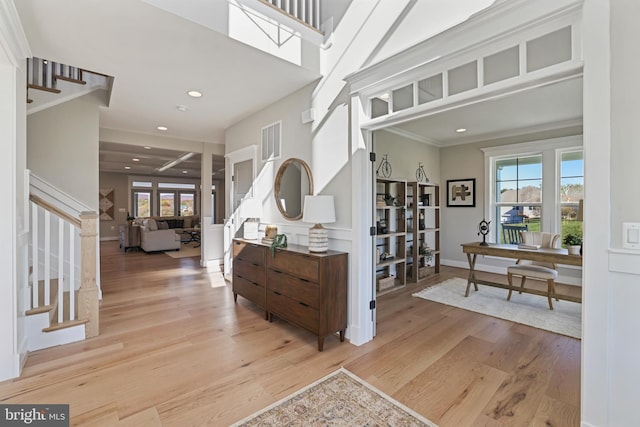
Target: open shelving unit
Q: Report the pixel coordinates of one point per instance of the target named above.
(390, 235)
(423, 230)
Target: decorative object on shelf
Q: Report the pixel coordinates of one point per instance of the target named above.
(573, 242)
(461, 192)
(270, 232)
(250, 211)
(318, 210)
(426, 255)
(384, 168)
(421, 225)
(130, 218)
(279, 241)
(421, 175)
(389, 200)
(385, 283)
(483, 229)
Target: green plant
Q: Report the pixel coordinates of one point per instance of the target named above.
(280, 241)
(427, 252)
(389, 199)
(572, 240)
(129, 217)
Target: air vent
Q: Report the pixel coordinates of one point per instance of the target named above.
(271, 141)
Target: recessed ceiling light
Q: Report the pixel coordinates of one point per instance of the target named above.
(127, 167)
(461, 130)
(194, 94)
(185, 171)
(135, 159)
(162, 128)
(147, 148)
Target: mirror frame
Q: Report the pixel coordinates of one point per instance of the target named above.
(278, 183)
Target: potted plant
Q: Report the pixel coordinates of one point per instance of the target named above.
(573, 242)
(389, 199)
(130, 218)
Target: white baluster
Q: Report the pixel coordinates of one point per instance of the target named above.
(60, 270)
(72, 273)
(34, 256)
(47, 258)
(316, 22)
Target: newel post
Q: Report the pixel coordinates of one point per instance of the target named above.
(88, 308)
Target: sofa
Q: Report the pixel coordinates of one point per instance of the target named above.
(175, 223)
(154, 238)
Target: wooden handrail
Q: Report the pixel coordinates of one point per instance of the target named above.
(48, 206)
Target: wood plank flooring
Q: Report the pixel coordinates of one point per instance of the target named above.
(175, 350)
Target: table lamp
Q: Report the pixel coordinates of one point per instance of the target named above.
(250, 210)
(318, 210)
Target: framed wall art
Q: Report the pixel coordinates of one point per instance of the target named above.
(461, 192)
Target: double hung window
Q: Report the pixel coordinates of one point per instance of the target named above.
(536, 185)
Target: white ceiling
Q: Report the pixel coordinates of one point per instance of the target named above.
(553, 106)
(155, 57)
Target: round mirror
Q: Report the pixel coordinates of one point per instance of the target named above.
(293, 182)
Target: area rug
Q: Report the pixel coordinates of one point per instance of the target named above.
(339, 399)
(186, 250)
(527, 309)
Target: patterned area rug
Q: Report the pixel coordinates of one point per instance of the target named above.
(527, 309)
(339, 399)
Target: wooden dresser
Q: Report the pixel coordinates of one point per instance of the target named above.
(304, 288)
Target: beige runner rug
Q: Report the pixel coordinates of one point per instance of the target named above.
(186, 250)
(527, 309)
(339, 399)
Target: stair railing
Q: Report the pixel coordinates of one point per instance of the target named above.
(305, 11)
(54, 214)
(61, 247)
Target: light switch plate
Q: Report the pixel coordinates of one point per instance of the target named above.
(631, 235)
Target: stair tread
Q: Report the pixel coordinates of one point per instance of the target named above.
(69, 79)
(63, 325)
(44, 88)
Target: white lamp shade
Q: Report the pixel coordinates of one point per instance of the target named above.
(319, 210)
(250, 208)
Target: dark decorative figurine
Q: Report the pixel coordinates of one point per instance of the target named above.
(483, 228)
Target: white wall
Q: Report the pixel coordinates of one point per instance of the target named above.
(63, 148)
(404, 154)
(13, 231)
(622, 368)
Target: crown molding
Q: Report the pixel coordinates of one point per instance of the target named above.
(413, 136)
(12, 37)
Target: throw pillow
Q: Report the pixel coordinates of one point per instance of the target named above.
(186, 223)
(162, 225)
(151, 225)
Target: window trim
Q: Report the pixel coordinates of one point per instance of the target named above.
(550, 150)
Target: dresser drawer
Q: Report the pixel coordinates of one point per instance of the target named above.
(251, 291)
(251, 272)
(306, 267)
(248, 252)
(293, 311)
(298, 289)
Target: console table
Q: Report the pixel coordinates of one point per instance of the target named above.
(304, 288)
(129, 237)
(556, 256)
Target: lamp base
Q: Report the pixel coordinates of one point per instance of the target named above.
(251, 230)
(318, 239)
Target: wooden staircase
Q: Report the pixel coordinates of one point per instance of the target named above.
(47, 80)
(63, 296)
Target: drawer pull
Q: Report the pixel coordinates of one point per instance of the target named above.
(277, 293)
(304, 305)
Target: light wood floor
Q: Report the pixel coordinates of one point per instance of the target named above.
(175, 350)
